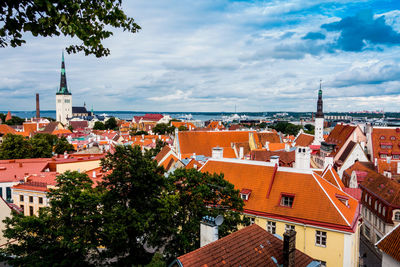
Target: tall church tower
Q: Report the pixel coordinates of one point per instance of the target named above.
(63, 98)
(319, 120)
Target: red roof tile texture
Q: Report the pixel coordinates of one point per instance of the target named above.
(304, 140)
(202, 143)
(391, 244)
(339, 136)
(250, 246)
(5, 129)
(383, 187)
(286, 158)
(389, 138)
(164, 151)
(305, 187)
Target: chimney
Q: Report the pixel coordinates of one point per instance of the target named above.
(37, 107)
(274, 160)
(94, 174)
(302, 158)
(267, 145)
(194, 156)
(241, 153)
(376, 162)
(217, 153)
(209, 229)
(289, 248)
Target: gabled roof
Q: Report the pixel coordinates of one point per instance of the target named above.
(315, 200)
(178, 124)
(215, 125)
(304, 140)
(5, 129)
(8, 117)
(339, 135)
(79, 110)
(271, 137)
(78, 124)
(250, 246)
(331, 176)
(390, 243)
(164, 151)
(153, 117)
(202, 142)
(347, 151)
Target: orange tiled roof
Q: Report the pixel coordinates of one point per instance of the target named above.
(250, 246)
(331, 176)
(26, 134)
(390, 244)
(315, 200)
(5, 129)
(14, 171)
(164, 151)
(386, 137)
(192, 163)
(178, 124)
(304, 140)
(339, 135)
(215, 125)
(276, 146)
(285, 157)
(30, 127)
(203, 142)
(169, 161)
(61, 131)
(8, 117)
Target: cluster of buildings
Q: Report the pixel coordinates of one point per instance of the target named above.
(323, 194)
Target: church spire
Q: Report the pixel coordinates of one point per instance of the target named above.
(320, 113)
(63, 81)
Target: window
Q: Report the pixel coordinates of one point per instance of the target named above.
(289, 227)
(21, 198)
(40, 200)
(377, 238)
(287, 201)
(392, 138)
(30, 211)
(376, 205)
(397, 216)
(369, 215)
(396, 156)
(271, 227)
(8, 193)
(383, 156)
(320, 238)
(1, 191)
(382, 137)
(244, 196)
(380, 208)
(370, 201)
(375, 221)
(30, 199)
(22, 208)
(366, 198)
(367, 231)
(252, 220)
(384, 211)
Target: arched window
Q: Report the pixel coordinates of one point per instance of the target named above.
(366, 198)
(380, 208)
(376, 205)
(370, 201)
(384, 211)
(397, 216)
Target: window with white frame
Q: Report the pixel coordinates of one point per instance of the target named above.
(252, 220)
(320, 238)
(271, 227)
(289, 227)
(397, 216)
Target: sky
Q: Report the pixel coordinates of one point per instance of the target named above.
(213, 55)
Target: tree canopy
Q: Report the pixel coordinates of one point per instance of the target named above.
(98, 125)
(39, 146)
(286, 128)
(163, 128)
(88, 20)
(136, 215)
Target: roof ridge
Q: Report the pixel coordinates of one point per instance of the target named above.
(323, 189)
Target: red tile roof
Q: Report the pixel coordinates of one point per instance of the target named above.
(5, 129)
(164, 151)
(304, 140)
(331, 176)
(8, 117)
(389, 136)
(305, 185)
(203, 142)
(250, 246)
(271, 137)
(188, 125)
(12, 171)
(215, 125)
(390, 244)
(192, 163)
(153, 117)
(286, 158)
(384, 188)
(339, 136)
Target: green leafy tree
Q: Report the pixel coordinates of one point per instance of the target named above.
(309, 128)
(286, 128)
(182, 128)
(87, 20)
(141, 132)
(134, 190)
(67, 233)
(193, 195)
(163, 128)
(98, 125)
(41, 145)
(14, 121)
(111, 124)
(62, 145)
(15, 147)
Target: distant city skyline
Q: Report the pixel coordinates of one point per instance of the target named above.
(212, 55)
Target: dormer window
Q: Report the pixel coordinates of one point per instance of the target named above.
(245, 194)
(382, 137)
(343, 199)
(287, 200)
(393, 138)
